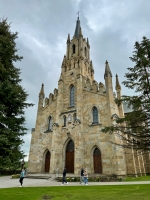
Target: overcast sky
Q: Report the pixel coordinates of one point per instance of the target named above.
(112, 27)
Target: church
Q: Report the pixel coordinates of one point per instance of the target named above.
(69, 121)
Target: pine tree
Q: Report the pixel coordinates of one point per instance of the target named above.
(134, 128)
(12, 100)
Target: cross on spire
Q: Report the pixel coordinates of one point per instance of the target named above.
(78, 13)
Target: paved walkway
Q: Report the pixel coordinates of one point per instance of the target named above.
(7, 182)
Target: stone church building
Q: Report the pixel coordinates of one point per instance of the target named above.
(69, 122)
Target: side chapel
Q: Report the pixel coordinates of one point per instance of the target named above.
(69, 122)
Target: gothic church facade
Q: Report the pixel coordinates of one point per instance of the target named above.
(69, 122)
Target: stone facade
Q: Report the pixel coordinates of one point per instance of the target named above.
(68, 115)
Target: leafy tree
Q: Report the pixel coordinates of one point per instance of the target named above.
(12, 100)
(134, 128)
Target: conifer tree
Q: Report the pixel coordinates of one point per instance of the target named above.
(12, 100)
(134, 128)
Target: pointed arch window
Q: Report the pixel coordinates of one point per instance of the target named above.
(64, 120)
(50, 123)
(95, 115)
(73, 48)
(72, 89)
(74, 117)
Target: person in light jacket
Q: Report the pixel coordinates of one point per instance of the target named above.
(22, 175)
(85, 177)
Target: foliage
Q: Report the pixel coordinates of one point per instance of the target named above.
(15, 176)
(134, 128)
(92, 179)
(12, 100)
(110, 192)
(140, 178)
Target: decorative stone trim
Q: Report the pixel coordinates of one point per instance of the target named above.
(48, 131)
(67, 112)
(95, 124)
(55, 124)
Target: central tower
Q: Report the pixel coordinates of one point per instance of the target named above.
(78, 55)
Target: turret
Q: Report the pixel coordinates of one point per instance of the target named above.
(107, 70)
(68, 46)
(41, 97)
(109, 89)
(118, 90)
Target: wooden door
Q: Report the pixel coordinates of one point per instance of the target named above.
(97, 161)
(47, 162)
(70, 157)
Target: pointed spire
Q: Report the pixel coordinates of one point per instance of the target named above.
(77, 30)
(64, 61)
(88, 43)
(117, 83)
(107, 70)
(91, 66)
(42, 91)
(80, 33)
(68, 39)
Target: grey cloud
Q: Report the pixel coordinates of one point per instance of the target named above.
(43, 25)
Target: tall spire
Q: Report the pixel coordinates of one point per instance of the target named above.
(117, 83)
(107, 70)
(77, 30)
(42, 91)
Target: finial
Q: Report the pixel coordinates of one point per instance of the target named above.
(117, 83)
(68, 39)
(42, 90)
(107, 70)
(78, 14)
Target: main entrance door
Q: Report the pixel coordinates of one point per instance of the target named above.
(47, 161)
(97, 161)
(70, 157)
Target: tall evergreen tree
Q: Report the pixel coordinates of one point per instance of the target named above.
(12, 100)
(134, 128)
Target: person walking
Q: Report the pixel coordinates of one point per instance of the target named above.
(64, 177)
(82, 176)
(85, 177)
(22, 175)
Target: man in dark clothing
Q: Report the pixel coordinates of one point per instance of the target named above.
(64, 177)
(82, 176)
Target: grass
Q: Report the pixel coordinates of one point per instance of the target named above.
(140, 178)
(121, 192)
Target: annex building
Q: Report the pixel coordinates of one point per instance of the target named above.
(68, 126)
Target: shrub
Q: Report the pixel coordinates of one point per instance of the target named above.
(15, 176)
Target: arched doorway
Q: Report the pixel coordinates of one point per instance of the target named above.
(47, 161)
(70, 157)
(97, 161)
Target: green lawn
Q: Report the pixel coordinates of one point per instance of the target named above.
(142, 178)
(121, 192)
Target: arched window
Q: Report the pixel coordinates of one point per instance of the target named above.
(50, 123)
(85, 52)
(74, 117)
(95, 115)
(69, 118)
(72, 96)
(64, 120)
(73, 48)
